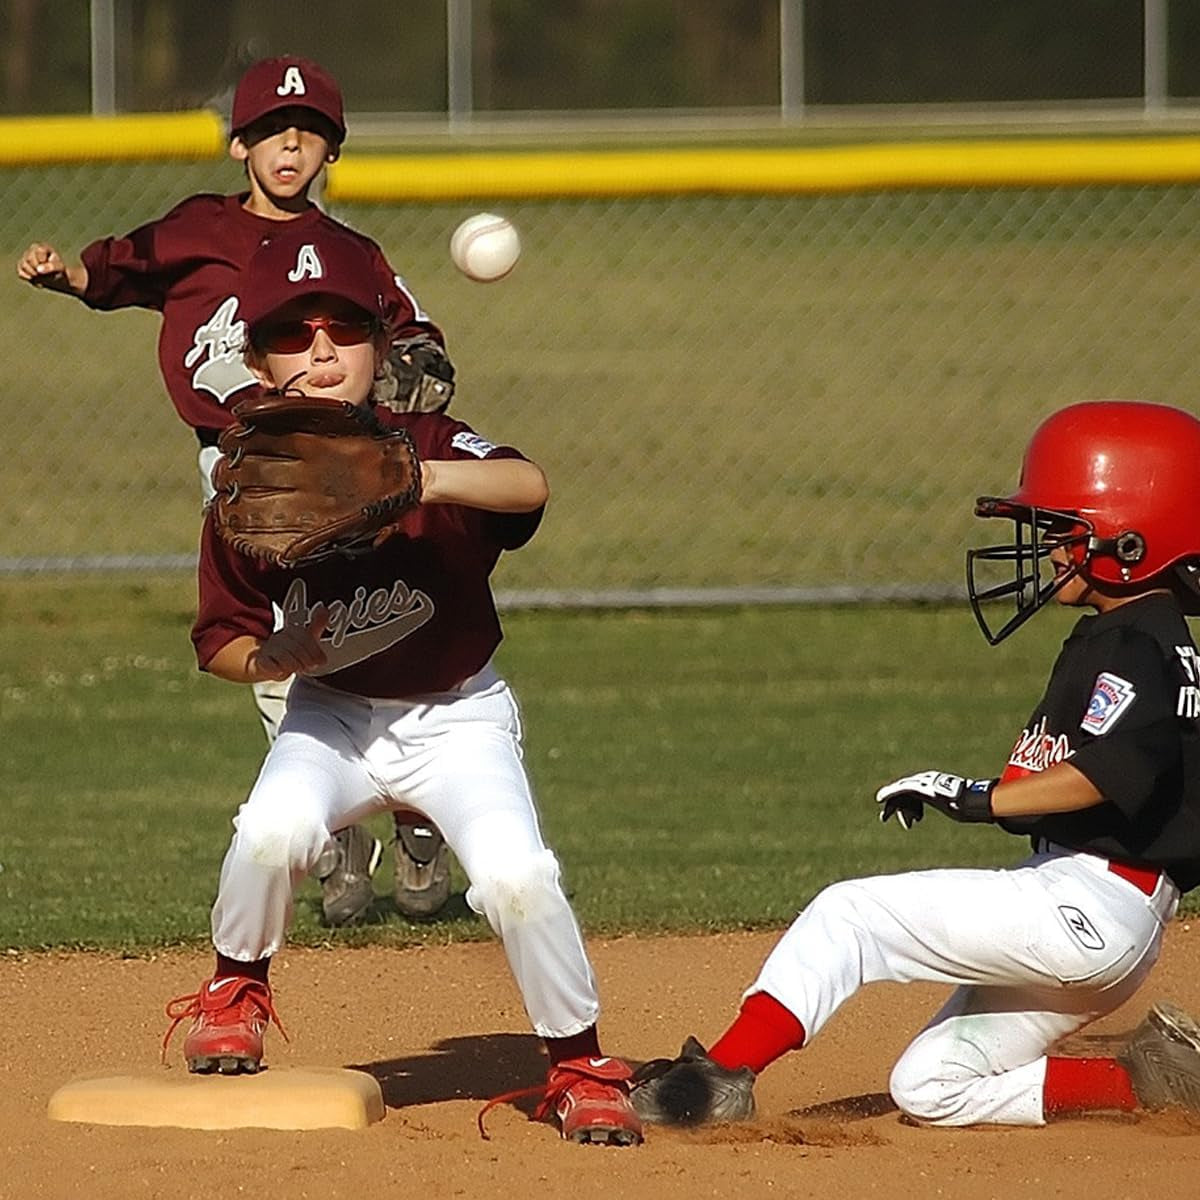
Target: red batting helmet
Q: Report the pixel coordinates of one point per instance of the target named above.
(1116, 482)
(276, 83)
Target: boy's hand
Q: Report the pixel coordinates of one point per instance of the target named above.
(293, 650)
(960, 799)
(43, 266)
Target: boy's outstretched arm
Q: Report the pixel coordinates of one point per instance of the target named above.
(43, 266)
(1060, 788)
(512, 485)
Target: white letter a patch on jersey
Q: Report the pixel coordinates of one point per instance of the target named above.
(308, 264)
(1111, 696)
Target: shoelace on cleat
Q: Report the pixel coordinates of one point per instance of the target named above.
(508, 1097)
(182, 1007)
(549, 1097)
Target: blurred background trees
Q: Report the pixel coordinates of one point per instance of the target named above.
(603, 54)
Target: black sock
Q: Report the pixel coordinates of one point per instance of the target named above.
(243, 970)
(579, 1045)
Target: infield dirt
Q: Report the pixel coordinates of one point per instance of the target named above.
(442, 1029)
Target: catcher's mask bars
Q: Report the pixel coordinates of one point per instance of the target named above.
(1112, 482)
(1032, 579)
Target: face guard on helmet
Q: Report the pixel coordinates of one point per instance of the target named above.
(1112, 482)
(1034, 580)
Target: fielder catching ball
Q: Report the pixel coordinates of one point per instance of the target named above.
(396, 703)
(1105, 782)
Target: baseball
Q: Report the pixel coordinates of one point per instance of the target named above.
(485, 247)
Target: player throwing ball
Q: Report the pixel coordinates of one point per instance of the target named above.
(396, 704)
(286, 124)
(1105, 781)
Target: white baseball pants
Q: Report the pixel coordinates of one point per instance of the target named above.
(1037, 953)
(455, 758)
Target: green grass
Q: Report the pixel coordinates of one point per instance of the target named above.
(695, 770)
(723, 390)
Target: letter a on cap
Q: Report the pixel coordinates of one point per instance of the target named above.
(293, 83)
(308, 264)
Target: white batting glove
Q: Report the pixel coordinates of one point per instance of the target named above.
(960, 799)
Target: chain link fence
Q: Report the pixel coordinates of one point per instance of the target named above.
(758, 396)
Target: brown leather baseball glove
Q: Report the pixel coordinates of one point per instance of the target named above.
(303, 477)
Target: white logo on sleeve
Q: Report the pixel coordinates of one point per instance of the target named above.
(418, 311)
(472, 443)
(293, 83)
(308, 264)
(1111, 696)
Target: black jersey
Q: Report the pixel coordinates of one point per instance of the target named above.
(1122, 705)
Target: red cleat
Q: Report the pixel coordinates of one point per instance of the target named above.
(590, 1098)
(230, 1016)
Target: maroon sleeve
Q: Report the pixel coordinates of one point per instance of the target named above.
(122, 272)
(457, 440)
(133, 271)
(232, 602)
(405, 317)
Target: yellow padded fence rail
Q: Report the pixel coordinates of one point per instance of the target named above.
(953, 164)
(400, 178)
(42, 141)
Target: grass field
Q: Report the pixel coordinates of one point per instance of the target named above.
(696, 771)
(724, 391)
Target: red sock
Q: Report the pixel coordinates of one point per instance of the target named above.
(762, 1032)
(227, 967)
(1086, 1085)
(578, 1045)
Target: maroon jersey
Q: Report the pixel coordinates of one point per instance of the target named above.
(414, 616)
(187, 265)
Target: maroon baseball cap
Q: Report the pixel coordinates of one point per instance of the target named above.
(309, 261)
(276, 83)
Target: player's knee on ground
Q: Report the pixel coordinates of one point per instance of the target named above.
(937, 1082)
(523, 889)
(282, 833)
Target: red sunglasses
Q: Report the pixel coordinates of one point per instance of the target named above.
(293, 337)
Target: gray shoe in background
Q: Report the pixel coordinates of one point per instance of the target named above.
(345, 870)
(422, 878)
(1163, 1059)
